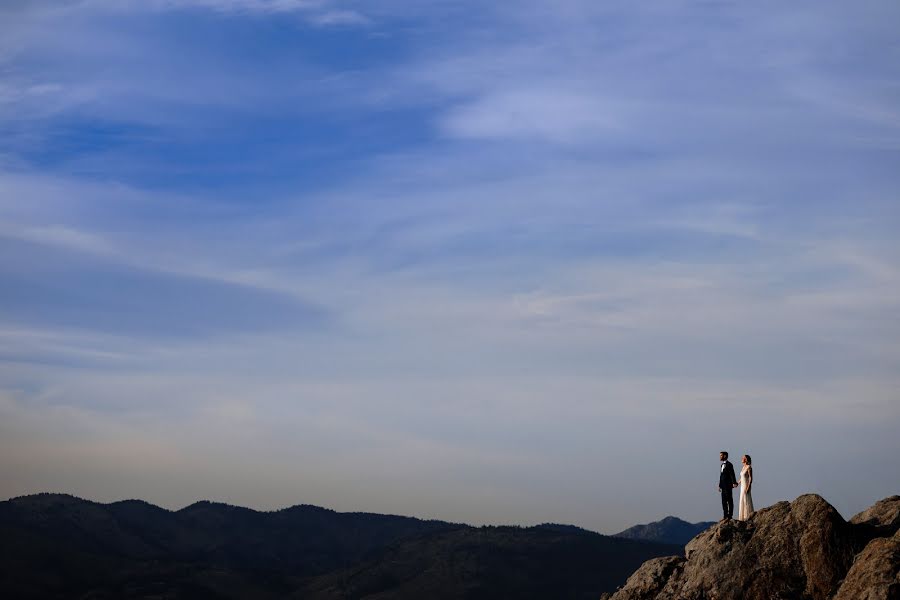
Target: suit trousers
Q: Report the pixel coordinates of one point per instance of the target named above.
(727, 503)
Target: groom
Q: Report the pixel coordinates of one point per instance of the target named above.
(727, 482)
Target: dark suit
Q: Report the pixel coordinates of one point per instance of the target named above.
(726, 481)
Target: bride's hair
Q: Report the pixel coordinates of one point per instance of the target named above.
(749, 460)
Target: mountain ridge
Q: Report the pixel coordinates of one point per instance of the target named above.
(58, 545)
(668, 530)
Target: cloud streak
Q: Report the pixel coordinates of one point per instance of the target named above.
(521, 245)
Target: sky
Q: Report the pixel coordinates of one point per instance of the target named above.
(509, 263)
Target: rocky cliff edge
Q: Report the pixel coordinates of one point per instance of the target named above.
(792, 550)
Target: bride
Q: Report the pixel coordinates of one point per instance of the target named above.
(745, 509)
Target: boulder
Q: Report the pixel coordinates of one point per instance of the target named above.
(649, 580)
(875, 574)
(803, 549)
(884, 515)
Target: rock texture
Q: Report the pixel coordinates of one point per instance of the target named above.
(801, 550)
(884, 515)
(875, 575)
(651, 578)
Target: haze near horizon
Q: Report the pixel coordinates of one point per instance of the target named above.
(532, 262)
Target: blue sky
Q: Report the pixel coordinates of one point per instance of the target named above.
(525, 262)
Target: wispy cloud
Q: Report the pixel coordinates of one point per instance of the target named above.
(538, 113)
(340, 18)
(323, 13)
(244, 6)
(508, 241)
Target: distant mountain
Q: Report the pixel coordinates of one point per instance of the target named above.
(670, 530)
(59, 546)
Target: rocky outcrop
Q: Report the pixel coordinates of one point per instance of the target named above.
(875, 574)
(803, 550)
(651, 578)
(884, 516)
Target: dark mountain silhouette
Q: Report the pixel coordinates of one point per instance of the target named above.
(59, 546)
(670, 530)
(491, 562)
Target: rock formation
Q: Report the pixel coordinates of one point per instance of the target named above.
(801, 550)
(884, 516)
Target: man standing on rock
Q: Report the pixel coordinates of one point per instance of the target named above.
(727, 482)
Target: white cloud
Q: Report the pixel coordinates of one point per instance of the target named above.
(541, 113)
(223, 6)
(66, 237)
(340, 18)
(656, 239)
(264, 6)
(322, 13)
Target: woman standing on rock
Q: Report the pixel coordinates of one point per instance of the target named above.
(745, 508)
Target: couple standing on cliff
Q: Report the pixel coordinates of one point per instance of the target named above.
(727, 482)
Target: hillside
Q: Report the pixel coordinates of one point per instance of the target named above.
(492, 562)
(670, 530)
(58, 546)
(803, 549)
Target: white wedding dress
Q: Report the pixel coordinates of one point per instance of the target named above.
(745, 509)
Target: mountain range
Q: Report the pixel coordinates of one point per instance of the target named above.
(670, 530)
(60, 546)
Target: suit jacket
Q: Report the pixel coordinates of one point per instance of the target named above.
(726, 476)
